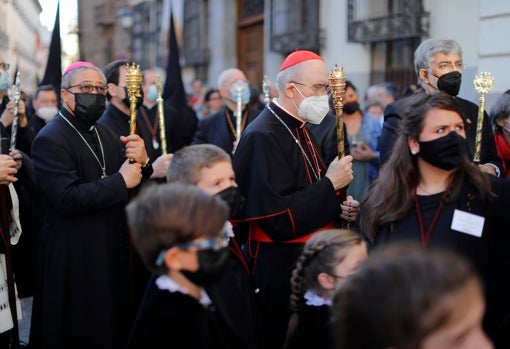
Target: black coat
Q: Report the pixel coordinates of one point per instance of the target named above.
(215, 129)
(81, 300)
(179, 129)
(175, 320)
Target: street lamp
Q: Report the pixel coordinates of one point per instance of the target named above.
(125, 15)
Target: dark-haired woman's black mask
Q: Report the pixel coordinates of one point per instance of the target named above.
(447, 152)
(351, 108)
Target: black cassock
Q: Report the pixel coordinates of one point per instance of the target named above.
(176, 320)
(80, 300)
(179, 129)
(284, 202)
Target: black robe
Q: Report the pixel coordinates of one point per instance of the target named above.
(326, 135)
(488, 253)
(314, 329)
(216, 129)
(394, 111)
(81, 301)
(119, 123)
(285, 201)
(179, 127)
(175, 320)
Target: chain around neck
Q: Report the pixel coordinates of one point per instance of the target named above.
(315, 174)
(102, 165)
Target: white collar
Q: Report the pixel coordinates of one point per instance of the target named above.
(165, 282)
(315, 300)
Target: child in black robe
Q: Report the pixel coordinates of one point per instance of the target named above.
(179, 231)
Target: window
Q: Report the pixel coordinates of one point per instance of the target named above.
(294, 24)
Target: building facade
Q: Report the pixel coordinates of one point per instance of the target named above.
(20, 41)
(373, 39)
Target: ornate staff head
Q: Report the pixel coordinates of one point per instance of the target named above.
(483, 83)
(337, 87)
(133, 82)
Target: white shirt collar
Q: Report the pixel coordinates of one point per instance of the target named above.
(315, 300)
(165, 282)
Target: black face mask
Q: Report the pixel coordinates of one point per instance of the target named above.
(139, 101)
(232, 196)
(89, 106)
(447, 152)
(351, 108)
(450, 83)
(211, 264)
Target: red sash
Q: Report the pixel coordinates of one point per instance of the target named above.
(259, 235)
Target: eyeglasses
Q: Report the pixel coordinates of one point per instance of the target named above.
(215, 243)
(316, 88)
(88, 88)
(5, 66)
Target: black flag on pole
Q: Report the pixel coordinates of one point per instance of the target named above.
(53, 73)
(173, 93)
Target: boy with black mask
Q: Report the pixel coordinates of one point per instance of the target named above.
(210, 168)
(179, 230)
(438, 65)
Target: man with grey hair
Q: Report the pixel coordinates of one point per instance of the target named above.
(290, 192)
(84, 176)
(438, 65)
(220, 128)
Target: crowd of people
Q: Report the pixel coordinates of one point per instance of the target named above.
(239, 225)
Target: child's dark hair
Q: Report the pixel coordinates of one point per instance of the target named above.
(321, 254)
(164, 215)
(398, 296)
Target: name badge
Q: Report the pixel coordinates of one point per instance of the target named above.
(468, 223)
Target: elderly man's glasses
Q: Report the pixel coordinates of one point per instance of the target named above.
(316, 88)
(5, 66)
(88, 88)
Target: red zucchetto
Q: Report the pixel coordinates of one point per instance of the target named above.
(299, 56)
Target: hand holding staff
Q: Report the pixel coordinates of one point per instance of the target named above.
(483, 84)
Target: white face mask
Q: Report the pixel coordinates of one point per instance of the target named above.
(47, 113)
(313, 109)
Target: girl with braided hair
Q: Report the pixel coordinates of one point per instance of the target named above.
(327, 259)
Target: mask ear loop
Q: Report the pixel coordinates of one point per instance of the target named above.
(295, 105)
